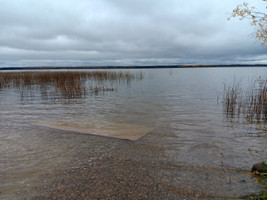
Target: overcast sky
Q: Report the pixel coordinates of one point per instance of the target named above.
(125, 32)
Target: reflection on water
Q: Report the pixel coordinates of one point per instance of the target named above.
(175, 110)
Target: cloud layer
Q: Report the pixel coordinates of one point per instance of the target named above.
(120, 32)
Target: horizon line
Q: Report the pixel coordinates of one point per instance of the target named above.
(132, 66)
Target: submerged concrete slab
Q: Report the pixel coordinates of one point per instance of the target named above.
(116, 129)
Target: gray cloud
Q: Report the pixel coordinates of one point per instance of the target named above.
(120, 32)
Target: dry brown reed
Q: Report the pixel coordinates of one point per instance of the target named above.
(232, 95)
(251, 103)
(65, 85)
(257, 102)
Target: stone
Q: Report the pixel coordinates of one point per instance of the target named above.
(259, 167)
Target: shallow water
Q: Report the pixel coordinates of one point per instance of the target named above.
(178, 111)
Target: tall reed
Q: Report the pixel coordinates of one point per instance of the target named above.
(251, 103)
(257, 102)
(232, 99)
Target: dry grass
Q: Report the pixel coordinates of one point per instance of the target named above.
(64, 85)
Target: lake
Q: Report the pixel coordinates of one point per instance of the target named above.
(166, 128)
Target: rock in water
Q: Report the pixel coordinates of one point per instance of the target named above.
(259, 167)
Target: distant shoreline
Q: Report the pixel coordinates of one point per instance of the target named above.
(128, 67)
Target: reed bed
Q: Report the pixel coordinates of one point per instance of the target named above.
(64, 85)
(251, 103)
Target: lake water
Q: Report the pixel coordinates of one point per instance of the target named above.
(176, 113)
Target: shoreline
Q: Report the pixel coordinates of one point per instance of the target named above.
(129, 67)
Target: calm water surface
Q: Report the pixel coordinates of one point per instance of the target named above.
(181, 108)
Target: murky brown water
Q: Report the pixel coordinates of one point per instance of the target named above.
(184, 146)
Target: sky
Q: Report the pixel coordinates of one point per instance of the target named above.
(126, 32)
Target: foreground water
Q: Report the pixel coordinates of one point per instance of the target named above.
(184, 139)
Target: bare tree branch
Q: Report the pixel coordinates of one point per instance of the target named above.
(257, 18)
